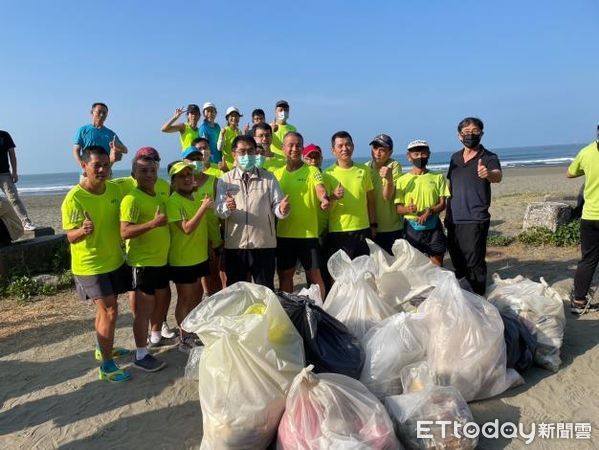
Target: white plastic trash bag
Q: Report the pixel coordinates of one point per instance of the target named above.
(353, 299)
(434, 404)
(313, 293)
(539, 307)
(389, 346)
(333, 411)
(252, 353)
(466, 347)
(405, 275)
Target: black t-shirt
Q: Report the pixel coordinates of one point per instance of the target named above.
(6, 142)
(470, 195)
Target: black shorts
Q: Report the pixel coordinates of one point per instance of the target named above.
(148, 279)
(430, 242)
(351, 242)
(386, 239)
(189, 274)
(289, 250)
(104, 285)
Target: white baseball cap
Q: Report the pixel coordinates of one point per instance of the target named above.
(208, 105)
(418, 143)
(232, 109)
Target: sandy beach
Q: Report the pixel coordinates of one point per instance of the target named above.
(51, 397)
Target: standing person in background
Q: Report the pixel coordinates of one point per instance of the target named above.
(189, 130)
(471, 172)
(421, 197)
(96, 134)
(258, 116)
(385, 172)
(9, 177)
(262, 133)
(587, 163)
(144, 227)
(202, 161)
(210, 130)
(352, 216)
(312, 156)
(90, 216)
(188, 253)
(249, 199)
(280, 127)
(297, 236)
(227, 134)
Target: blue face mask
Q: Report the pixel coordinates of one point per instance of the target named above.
(246, 162)
(260, 159)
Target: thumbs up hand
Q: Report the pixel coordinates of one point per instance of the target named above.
(88, 225)
(207, 202)
(284, 206)
(230, 202)
(160, 219)
(482, 169)
(339, 192)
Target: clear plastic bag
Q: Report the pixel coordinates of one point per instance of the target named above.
(193, 363)
(429, 403)
(332, 411)
(354, 299)
(406, 275)
(466, 346)
(312, 292)
(389, 346)
(252, 353)
(540, 308)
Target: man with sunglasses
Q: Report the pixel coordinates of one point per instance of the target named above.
(471, 172)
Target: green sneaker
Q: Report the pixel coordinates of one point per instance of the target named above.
(117, 352)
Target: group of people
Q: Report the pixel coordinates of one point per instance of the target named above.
(240, 205)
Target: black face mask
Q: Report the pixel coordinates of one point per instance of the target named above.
(420, 163)
(471, 140)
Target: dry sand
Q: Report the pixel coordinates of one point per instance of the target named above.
(51, 398)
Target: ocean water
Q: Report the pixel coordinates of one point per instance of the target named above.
(552, 155)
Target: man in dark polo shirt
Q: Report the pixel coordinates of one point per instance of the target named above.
(471, 172)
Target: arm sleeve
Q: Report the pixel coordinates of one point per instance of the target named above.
(368, 186)
(174, 212)
(399, 194)
(78, 139)
(575, 167)
(72, 214)
(9, 142)
(493, 163)
(129, 210)
(443, 187)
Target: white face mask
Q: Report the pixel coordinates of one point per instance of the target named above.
(283, 115)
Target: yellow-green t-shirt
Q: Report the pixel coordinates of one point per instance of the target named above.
(213, 221)
(186, 249)
(277, 138)
(386, 213)
(274, 162)
(587, 163)
(214, 171)
(127, 184)
(422, 190)
(300, 186)
(351, 212)
(100, 252)
(188, 135)
(227, 148)
(149, 249)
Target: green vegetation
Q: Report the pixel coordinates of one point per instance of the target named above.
(499, 240)
(565, 235)
(24, 288)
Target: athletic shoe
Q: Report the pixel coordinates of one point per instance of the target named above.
(149, 364)
(186, 344)
(166, 331)
(161, 343)
(579, 308)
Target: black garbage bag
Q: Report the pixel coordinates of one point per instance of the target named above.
(328, 344)
(520, 344)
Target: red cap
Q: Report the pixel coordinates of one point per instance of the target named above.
(311, 148)
(147, 152)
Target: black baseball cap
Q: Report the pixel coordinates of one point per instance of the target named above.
(382, 140)
(193, 108)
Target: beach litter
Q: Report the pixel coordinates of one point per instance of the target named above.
(540, 308)
(333, 411)
(425, 401)
(328, 344)
(252, 353)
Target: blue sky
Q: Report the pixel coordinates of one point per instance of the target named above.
(409, 69)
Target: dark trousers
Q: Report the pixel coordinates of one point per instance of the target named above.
(589, 246)
(386, 239)
(259, 263)
(351, 242)
(467, 244)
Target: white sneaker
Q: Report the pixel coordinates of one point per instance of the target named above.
(29, 227)
(166, 332)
